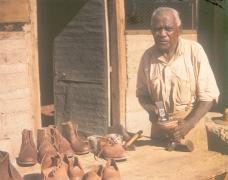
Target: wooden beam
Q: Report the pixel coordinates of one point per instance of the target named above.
(32, 40)
(117, 61)
(14, 11)
(148, 32)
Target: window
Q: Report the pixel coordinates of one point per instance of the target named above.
(138, 12)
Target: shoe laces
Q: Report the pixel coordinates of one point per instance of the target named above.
(54, 139)
(110, 141)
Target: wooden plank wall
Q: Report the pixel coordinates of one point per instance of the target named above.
(19, 94)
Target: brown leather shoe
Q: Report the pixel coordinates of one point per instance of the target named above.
(110, 150)
(94, 174)
(28, 152)
(53, 168)
(75, 171)
(111, 171)
(43, 134)
(69, 131)
(59, 142)
(7, 171)
(44, 143)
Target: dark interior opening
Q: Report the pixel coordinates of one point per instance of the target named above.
(52, 17)
(212, 35)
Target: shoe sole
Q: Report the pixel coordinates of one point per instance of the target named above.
(20, 163)
(81, 153)
(117, 159)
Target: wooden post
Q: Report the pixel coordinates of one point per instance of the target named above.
(117, 61)
(34, 65)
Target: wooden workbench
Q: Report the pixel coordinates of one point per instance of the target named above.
(151, 161)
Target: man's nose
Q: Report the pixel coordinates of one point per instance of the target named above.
(162, 32)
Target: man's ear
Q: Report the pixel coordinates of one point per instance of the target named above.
(151, 30)
(180, 30)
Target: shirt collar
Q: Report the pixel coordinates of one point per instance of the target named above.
(179, 51)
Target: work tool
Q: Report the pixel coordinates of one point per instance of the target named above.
(129, 145)
(183, 145)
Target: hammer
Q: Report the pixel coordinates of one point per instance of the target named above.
(183, 145)
(129, 144)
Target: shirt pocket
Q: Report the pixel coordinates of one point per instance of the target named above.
(182, 89)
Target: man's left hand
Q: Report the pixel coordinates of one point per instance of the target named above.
(182, 129)
(168, 125)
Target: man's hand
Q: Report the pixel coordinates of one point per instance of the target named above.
(168, 125)
(192, 119)
(149, 106)
(181, 130)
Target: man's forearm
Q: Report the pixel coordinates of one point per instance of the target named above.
(147, 104)
(201, 109)
(182, 129)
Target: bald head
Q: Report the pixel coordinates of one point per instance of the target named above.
(166, 11)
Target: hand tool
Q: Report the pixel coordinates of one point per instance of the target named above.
(129, 145)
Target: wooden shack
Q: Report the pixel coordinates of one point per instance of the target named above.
(83, 57)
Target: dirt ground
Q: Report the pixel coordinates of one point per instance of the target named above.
(152, 161)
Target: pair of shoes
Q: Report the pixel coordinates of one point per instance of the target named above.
(109, 172)
(48, 140)
(28, 153)
(60, 143)
(109, 149)
(68, 141)
(51, 140)
(61, 167)
(7, 171)
(69, 131)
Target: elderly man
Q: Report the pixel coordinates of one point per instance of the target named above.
(177, 72)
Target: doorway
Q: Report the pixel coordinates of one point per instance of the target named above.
(52, 17)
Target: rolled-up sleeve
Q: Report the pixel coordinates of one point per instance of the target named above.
(207, 89)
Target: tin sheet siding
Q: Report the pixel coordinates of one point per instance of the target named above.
(81, 86)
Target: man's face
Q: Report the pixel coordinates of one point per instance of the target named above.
(165, 32)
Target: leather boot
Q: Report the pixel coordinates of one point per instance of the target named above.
(111, 171)
(108, 149)
(53, 168)
(43, 134)
(59, 142)
(69, 131)
(94, 174)
(44, 143)
(75, 171)
(7, 171)
(28, 152)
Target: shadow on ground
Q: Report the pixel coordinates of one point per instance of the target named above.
(34, 176)
(151, 142)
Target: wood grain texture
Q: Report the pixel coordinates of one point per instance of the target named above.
(118, 61)
(81, 89)
(14, 11)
